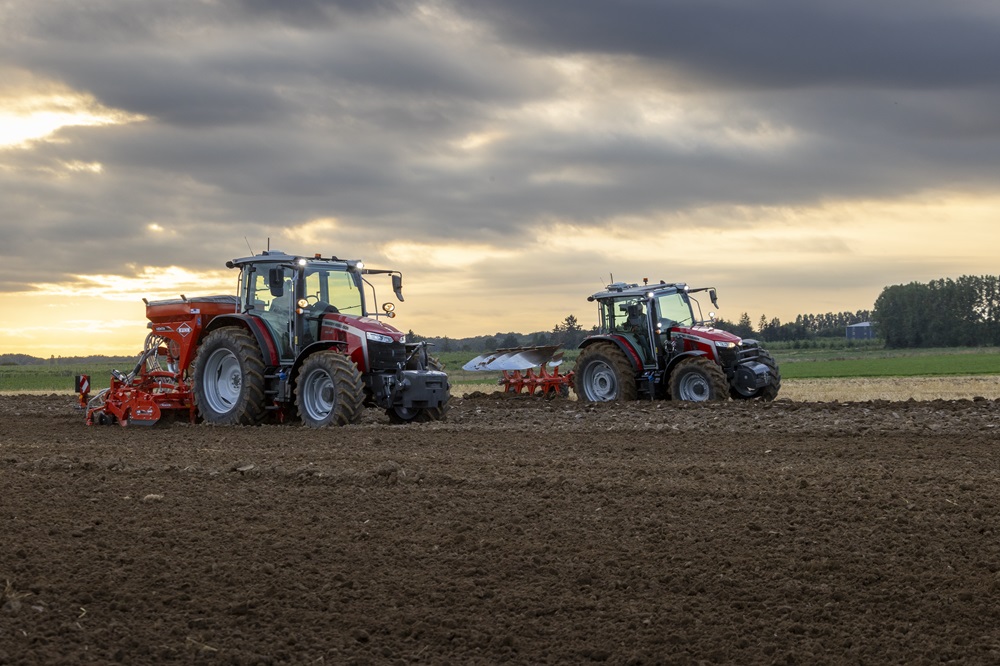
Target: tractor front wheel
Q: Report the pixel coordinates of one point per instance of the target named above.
(603, 374)
(329, 390)
(698, 379)
(229, 378)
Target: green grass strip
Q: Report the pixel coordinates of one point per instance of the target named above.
(900, 366)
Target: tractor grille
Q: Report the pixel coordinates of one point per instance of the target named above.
(386, 355)
(745, 352)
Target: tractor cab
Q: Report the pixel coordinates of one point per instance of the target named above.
(291, 295)
(646, 315)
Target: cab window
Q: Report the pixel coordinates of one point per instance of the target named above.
(338, 288)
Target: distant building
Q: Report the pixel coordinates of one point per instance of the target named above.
(863, 331)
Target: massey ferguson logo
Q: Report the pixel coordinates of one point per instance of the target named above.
(184, 329)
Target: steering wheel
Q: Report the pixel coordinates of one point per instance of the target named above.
(319, 308)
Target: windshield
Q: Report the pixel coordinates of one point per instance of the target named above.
(674, 310)
(338, 288)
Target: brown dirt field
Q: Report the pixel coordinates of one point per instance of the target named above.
(521, 531)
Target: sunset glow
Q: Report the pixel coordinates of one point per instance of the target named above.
(36, 117)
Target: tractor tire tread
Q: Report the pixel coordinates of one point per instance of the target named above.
(615, 358)
(350, 392)
(251, 408)
(709, 369)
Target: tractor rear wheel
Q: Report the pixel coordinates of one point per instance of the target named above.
(698, 379)
(400, 414)
(329, 390)
(229, 378)
(766, 393)
(603, 373)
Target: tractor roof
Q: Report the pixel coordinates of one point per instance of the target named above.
(619, 289)
(279, 257)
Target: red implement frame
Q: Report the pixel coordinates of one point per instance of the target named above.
(159, 382)
(540, 382)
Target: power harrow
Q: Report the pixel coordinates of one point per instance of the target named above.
(158, 383)
(526, 370)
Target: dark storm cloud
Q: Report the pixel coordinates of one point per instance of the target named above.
(770, 43)
(265, 115)
(165, 88)
(310, 13)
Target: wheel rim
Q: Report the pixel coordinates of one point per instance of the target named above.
(600, 382)
(318, 394)
(223, 380)
(694, 387)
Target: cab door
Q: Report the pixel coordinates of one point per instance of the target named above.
(272, 295)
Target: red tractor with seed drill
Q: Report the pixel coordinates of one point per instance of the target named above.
(297, 342)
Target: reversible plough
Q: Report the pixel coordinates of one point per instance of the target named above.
(526, 370)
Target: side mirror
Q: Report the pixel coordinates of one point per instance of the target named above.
(711, 295)
(276, 282)
(397, 285)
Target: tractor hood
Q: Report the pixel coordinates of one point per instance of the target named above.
(708, 334)
(364, 327)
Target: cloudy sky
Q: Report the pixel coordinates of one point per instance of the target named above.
(508, 156)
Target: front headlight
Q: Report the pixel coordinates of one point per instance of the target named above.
(725, 345)
(378, 337)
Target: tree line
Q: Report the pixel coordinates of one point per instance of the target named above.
(568, 333)
(942, 313)
(805, 326)
(93, 359)
(964, 312)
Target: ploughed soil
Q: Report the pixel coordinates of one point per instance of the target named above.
(519, 530)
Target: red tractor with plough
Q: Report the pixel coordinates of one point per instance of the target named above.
(652, 343)
(297, 343)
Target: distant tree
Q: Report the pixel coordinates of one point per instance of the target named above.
(540, 338)
(743, 328)
(510, 340)
(568, 333)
